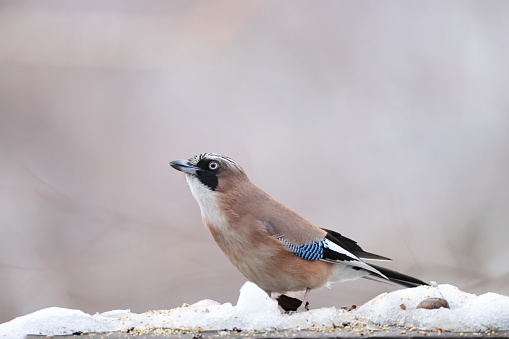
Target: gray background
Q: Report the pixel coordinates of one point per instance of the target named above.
(384, 120)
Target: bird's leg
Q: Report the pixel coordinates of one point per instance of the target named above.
(305, 300)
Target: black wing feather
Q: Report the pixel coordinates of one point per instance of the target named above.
(397, 277)
(352, 247)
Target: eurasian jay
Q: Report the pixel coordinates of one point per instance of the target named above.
(270, 244)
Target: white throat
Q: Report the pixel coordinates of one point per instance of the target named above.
(207, 201)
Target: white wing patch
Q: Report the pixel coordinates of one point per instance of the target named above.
(354, 262)
(339, 249)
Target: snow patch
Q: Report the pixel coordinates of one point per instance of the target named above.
(255, 310)
(467, 312)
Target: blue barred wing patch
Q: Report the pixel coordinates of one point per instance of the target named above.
(328, 250)
(313, 251)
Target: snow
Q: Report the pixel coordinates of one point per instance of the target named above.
(467, 312)
(255, 310)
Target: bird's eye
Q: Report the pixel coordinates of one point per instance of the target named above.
(213, 165)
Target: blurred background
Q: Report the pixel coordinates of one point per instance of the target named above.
(385, 121)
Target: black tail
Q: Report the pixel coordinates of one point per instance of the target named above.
(395, 277)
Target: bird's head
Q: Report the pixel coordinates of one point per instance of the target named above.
(210, 172)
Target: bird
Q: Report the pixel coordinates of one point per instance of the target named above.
(270, 244)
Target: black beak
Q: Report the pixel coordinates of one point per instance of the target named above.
(184, 166)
